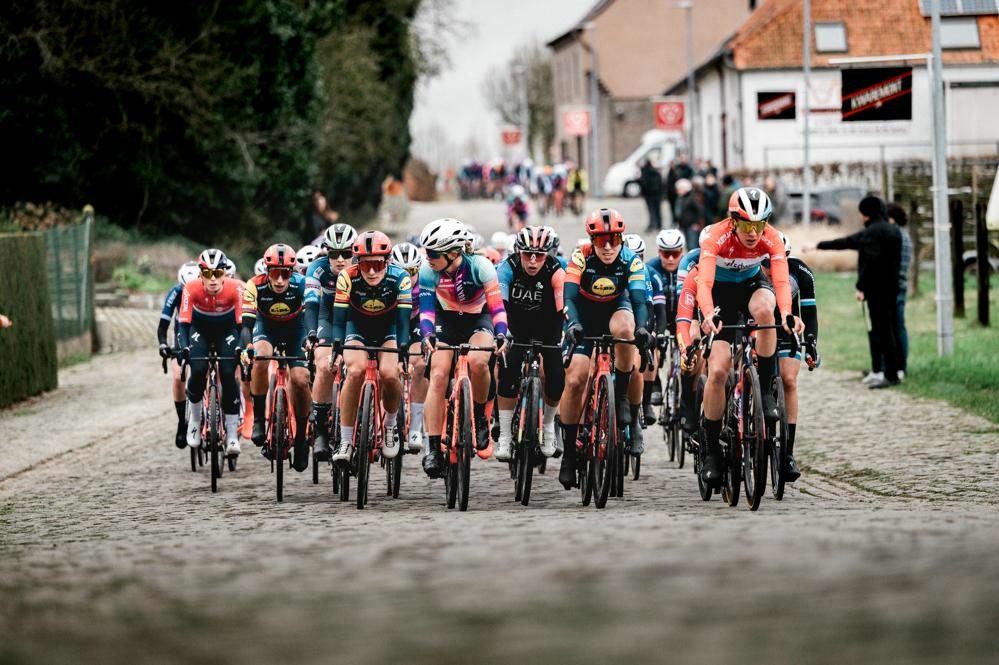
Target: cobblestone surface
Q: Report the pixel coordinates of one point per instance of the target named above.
(116, 552)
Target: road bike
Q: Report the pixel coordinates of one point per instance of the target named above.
(197, 454)
(779, 432)
(213, 432)
(669, 410)
(393, 467)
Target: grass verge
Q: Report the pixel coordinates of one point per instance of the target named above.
(968, 379)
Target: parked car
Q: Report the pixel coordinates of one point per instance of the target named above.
(622, 177)
(827, 202)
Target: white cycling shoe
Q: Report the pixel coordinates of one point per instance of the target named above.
(414, 443)
(548, 440)
(391, 445)
(194, 431)
(504, 449)
(232, 449)
(342, 454)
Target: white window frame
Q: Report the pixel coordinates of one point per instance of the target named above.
(830, 48)
(962, 41)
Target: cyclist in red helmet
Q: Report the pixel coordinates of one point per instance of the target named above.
(371, 308)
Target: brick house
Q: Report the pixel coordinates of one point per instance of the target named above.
(641, 48)
(750, 89)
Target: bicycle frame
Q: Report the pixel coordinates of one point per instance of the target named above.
(459, 371)
(281, 383)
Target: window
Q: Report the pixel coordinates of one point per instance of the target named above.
(830, 38)
(959, 32)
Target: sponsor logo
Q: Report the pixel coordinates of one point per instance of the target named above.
(636, 264)
(279, 309)
(196, 336)
(373, 306)
(230, 339)
(406, 283)
(603, 287)
(689, 299)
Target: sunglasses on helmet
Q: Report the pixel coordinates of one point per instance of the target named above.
(209, 273)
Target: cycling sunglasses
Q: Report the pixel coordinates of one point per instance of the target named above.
(208, 273)
(431, 254)
(671, 253)
(601, 239)
(280, 273)
(343, 254)
(372, 265)
(749, 226)
(528, 256)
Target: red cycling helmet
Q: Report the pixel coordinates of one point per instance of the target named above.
(372, 243)
(605, 220)
(279, 256)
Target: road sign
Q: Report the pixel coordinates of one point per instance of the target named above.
(511, 135)
(576, 122)
(670, 115)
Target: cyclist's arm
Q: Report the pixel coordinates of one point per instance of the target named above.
(558, 288)
(184, 318)
(639, 305)
(341, 306)
(428, 301)
(685, 310)
(659, 303)
(405, 307)
(486, 275)
(313, 298)
(705, 282)
(806, 298)
(570, 289)
(170, 305)
(780, 278)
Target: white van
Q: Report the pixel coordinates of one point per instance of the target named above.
(622, 177)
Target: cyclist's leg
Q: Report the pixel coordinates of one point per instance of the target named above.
(417, 396)
(322, 389)
(507, 386)
(258, 383)
(433, 411)
(196, 382)
(761, 308)
(714, 407)
(230, 390)
(554, 385)
(622, 325)
(789, 368)
(180, 404)
(391, 388)
(570, 409)
(479, 372)
(355, 363)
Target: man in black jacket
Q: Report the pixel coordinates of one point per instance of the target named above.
(880, 251)
(652, 191)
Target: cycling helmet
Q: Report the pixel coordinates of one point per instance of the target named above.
(279, 256)
(498, 239)
(339, 237)
(304, 256)
(478, 242)
(555, 239)
(187, 272)
(511, 244)
(260, 267)
(230, 269)
(787, 243)
(444, 235)
(669, 239)
(635, 243)
(406, 255)
(750, 204)
(604, 220)
(533, 239)
(211, 259)
(372, 243)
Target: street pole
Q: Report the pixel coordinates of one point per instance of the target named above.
(688, 7)
(941, 236)
(806, 185)
(595, 183)
(525, 113)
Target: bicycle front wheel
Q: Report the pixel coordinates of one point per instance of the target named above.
(465, 450)
(778, 445)
(365, 439)
(530, 437)
(279, 428)
(605, 443)
(214, 433)
(754, 443)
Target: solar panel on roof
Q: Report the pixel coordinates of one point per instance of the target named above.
(961, 7)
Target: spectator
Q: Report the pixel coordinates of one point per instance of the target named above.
(897, 216)
(672, 175)
(728, 188)
(689, 214)
(880, 255)
(778, 200)
(652, 191)
(318, 216)
(683, 169)
(712, 197)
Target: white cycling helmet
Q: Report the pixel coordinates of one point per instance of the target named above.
(260, 267)
(230, 269)
(406, 255)
(340, 237)
(445, 235)
(212, 258)
(187, 272)
(787, 243)
(669, 239)
(511, 244)
(478, 242)
(498, 240)
(750, 204)
(635, 243)
(306, 255)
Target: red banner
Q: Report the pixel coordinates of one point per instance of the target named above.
(576, 122)
(669, 116)
(510, 136)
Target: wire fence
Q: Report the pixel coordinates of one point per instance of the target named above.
(70, 268)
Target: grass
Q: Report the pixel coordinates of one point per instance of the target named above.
(968, 379)
(135, 278)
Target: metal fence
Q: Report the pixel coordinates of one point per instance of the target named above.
(69, 250)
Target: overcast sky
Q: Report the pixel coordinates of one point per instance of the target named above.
(454, 99)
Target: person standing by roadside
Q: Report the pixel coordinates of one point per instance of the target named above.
(897, 216)
(689, 214)
(711, 198)
(669, 185)
(652, 192)
(879, 245)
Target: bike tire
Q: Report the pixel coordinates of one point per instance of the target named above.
(517, 444)
(636, 467)
(213, 435)
(704, 489)
(365, 440)
(194, 459)
(754, 440)
(778, 449)
(532, 436)
(450, 469)
(465, 443)
(605, 442)
(279, 427)
(231, 461)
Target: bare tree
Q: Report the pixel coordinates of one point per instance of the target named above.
(503, 88)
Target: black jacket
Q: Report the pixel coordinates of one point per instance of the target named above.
(652, 182)
(880, 253)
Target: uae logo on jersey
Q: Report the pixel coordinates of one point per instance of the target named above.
(373, 306)
(603, 287)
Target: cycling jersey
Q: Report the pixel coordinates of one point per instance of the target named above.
(260, 301)
(320, 280)
(725, 259)
(534, 305)
(803, 302)
(170, 306)
(670, 291)
(589, 282)
(686, 308)
(467, 291)
(687, 262)
(214, 313)
(378, 312)
(657, 299)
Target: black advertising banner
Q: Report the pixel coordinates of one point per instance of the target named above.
(884, 93)
(775, 105)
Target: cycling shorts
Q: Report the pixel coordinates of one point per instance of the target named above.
(732, 298)
(596, 322)
(456, 328)
(785, 344)
(290, 333)
(371, 333)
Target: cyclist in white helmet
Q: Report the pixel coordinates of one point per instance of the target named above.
(407, 256)
(259, 268)
(171, 305)
(304, 258)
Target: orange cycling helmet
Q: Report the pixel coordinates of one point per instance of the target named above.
(372, 243)
(605, 220)
(279, 256)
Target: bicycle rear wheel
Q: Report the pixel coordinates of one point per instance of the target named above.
(530, 439)
(516, 461)
(754, 439)
(213, 435)
(365, 440)
(465, 445)
(279, 430)
(605, 441)
(778, 447)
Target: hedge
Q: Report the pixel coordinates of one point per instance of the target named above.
(28, 362)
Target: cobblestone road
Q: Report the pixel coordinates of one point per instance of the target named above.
(114, 552)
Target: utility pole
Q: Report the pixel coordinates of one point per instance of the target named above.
(806, 185)
(941, 237)
(688, 7)
(595, 183)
